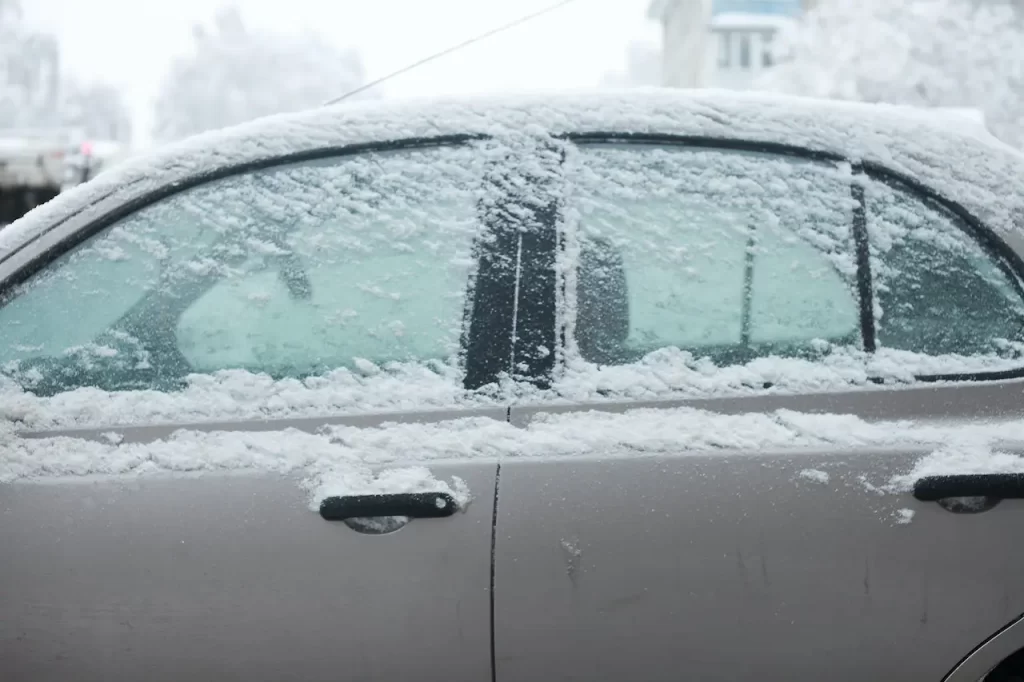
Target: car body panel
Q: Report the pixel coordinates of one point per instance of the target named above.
(232, 576)
(733, 565)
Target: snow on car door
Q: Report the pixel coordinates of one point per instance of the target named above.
(230, 404)
(765, 526)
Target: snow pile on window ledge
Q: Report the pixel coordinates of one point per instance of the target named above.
(958, 458)
(960, 162)
(237, 394)
(815, 475)
(673, 373)
(348, 458)
(668, 373)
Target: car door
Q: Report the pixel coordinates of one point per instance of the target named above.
(233, 417)
(724, 488)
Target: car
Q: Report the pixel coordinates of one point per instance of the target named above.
(642, 384)
(89, 158)
(30, 165)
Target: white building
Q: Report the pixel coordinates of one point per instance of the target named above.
(719, 43)
(684, 41)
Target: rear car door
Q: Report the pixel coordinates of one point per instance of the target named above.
(766, 351)
(233, 405)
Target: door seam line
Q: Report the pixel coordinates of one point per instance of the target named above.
(494, 539)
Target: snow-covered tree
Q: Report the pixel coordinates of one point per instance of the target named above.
(97, 111)
(29, 71)
(930, 53)
(235, 74)
(643, 67)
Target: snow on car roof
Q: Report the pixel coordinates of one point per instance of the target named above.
(962, 162)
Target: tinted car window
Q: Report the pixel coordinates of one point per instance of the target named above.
(728, 254)
(288, 271)
(937, 291)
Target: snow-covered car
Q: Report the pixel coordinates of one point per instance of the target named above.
(31, 162)
(644, 385)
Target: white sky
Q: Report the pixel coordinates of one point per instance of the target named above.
(130, 42)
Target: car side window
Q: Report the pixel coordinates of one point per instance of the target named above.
(730, 255)
(290, 271)
(937, 291)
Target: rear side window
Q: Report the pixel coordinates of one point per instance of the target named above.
(295, 270)
(729, 255)
(937, 291)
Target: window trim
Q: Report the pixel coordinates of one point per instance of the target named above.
(862, 253)
(1006, 258)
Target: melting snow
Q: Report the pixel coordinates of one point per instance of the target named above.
(904, 516)
(348, 458)
(815, 475)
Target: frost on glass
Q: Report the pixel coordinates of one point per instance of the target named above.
(726, 255)
(351, 263)
(937, 291)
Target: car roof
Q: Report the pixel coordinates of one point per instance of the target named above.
(954, 157)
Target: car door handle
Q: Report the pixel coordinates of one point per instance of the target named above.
(413, 505)
(998, 486)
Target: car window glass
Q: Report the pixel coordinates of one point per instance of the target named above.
(937, 291)
(726, 254)
(288, 271)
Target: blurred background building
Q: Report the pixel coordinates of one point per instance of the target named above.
(720, 43)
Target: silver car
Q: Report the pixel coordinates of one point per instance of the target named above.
(623, 386)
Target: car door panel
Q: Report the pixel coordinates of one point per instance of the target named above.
(233, 323)
(232, 576)
(663, 545)
(738, 565)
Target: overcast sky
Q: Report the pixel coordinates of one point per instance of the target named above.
(130, 42)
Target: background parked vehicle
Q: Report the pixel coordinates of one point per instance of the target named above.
(88, 159)
(31, 168)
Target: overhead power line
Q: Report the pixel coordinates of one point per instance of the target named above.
(454, 48)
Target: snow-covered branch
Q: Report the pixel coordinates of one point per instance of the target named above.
(933, 53)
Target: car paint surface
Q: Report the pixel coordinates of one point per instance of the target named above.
(233, 577)
(732, 565)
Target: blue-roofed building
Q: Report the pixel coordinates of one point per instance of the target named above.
(720, 43)
(785, 8)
